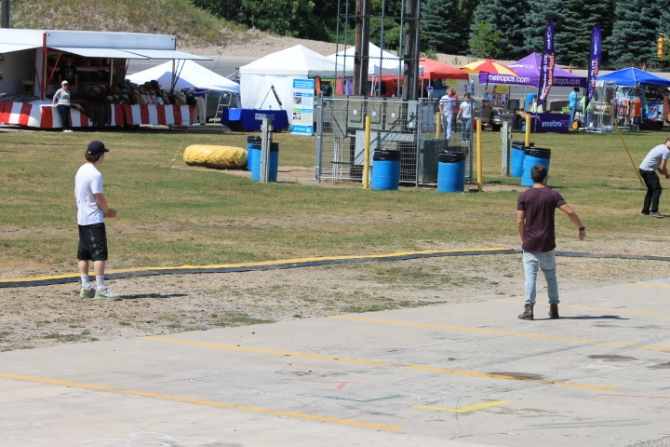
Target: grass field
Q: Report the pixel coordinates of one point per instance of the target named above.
(173, 216)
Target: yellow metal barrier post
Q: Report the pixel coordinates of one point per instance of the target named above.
(480, 178)
(527, 141)
(366, 162)
(438, 125)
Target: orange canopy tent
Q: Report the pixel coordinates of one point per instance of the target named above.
(431, 69)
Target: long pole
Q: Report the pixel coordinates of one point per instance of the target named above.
(366, 161)
(480, 178)
(527, 140)
(5, 13)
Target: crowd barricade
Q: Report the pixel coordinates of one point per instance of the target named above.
(159, 115)
(44, 116)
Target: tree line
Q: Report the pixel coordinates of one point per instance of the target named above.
(499, 29)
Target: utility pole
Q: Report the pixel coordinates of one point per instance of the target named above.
(411, 57)
(361, 59)
(5, 13)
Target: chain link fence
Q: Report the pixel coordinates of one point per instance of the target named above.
(406, 126)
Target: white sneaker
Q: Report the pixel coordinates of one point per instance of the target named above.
(106, 295)
(86, 293)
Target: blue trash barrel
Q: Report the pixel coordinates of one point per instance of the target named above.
(518, 154)
(274, 162)
(450, 171)
(534, 156)
(256, 162)
(385, 170)
(251, 141)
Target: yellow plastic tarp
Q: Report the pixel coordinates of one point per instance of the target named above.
(219, 157)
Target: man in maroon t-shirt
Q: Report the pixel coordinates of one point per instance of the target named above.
(535, 221)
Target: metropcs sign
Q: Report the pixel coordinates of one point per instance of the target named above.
(550, 122)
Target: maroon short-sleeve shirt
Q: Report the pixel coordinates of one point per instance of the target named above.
(540, 205)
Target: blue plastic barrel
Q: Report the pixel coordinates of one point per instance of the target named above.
(385, 170)
(450, 172)
(256, 162)
(252, 142)
(518, 154)
(274, 162)
(534, 156)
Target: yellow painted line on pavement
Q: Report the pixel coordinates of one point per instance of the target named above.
(264, 263)
(464, 409)
(604, 309)
(377, 363)
(512, 334)
(639, 284)
(209, 403)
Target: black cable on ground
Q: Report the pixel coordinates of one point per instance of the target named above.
(304, 262)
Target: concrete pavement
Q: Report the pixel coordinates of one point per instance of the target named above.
(459, 375)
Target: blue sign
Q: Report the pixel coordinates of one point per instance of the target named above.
(302, 111)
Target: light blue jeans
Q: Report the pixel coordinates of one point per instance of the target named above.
(546, 261)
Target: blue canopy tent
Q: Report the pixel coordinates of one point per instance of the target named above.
(636, 105)
(630, 77)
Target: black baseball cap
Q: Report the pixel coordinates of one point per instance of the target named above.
(96, 147)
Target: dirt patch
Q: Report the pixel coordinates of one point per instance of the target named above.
(45, 316)
(305, 176)
(259, 44)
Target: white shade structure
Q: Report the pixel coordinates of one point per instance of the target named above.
(278, 70)
(379, 61)
(188, 74)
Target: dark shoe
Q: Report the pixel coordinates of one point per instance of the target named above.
(527, 312)
(644, 213)
(553, 311)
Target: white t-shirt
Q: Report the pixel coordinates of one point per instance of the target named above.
(466, 110)
(653, 159)
(447, 103)
(88, 182)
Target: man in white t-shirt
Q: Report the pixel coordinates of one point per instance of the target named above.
(656, 159)
(91, 210)
(465, 118)
(447, 104)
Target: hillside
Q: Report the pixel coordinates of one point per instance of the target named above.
(197, 30)
(193, 26)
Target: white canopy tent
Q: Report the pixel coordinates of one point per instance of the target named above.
(278, 70)
(188, 74)
(379, 61)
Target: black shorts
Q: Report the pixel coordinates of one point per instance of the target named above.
(92, 243)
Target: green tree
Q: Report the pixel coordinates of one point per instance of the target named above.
(540, 13)
(484, 42)
(445, 26)
(635, 33)
(505, 17)
(226, 9)
(283, 17)
(574, 39)
(467, 8)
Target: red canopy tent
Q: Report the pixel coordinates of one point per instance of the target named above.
(430, 69)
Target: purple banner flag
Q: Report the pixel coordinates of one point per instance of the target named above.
(594, 62)
(547, 68)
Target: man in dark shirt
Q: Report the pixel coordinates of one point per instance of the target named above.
(535, 222)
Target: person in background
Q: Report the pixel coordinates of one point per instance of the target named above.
(573, 102)
(656, 159)
(465, 118)
(68, 72)
(61, 101)
(447, 104)
(201, 105)
(535, 222)
(91, 210)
